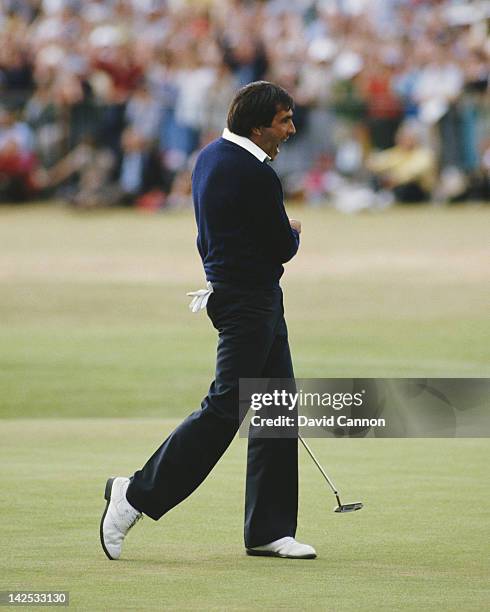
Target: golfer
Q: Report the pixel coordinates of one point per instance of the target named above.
(244, 238)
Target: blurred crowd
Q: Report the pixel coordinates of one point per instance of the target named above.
(106, 102)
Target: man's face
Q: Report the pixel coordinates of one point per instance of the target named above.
(281, 128)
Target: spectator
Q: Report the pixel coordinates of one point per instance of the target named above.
(437, 91)
(18, 163)
(194, 80)
(43, 117)
(217, 100)
(141, 169)
(118, 61)
(407, 169)
(384, 110)
(246, 57)
(111, 119)
(143, 112)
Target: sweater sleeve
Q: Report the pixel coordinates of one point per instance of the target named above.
(270, 223)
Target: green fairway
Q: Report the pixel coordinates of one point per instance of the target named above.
(100, 357)
(94, 317)
(419, 544)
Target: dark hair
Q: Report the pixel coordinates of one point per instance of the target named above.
(255, 106)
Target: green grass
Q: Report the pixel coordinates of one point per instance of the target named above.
(419, 544)
(94, 317)
(100, 357)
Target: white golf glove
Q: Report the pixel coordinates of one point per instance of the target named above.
(200, 297)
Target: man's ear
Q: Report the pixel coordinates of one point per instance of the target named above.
(257, 131)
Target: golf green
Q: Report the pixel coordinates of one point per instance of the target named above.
(419, 544)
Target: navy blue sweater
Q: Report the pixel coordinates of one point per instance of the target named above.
(244, 235)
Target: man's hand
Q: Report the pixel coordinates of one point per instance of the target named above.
(295, 224)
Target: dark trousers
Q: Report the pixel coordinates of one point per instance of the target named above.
(253, 343)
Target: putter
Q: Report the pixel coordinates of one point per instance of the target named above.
(341, 507)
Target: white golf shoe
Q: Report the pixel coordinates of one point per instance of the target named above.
(286, 547)
(118, 518)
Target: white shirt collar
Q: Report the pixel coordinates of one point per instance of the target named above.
(246, 144)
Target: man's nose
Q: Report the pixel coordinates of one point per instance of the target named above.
(292, 129)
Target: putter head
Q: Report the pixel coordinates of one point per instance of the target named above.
(349, 507)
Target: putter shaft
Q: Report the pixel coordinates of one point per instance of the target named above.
(315, 460)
